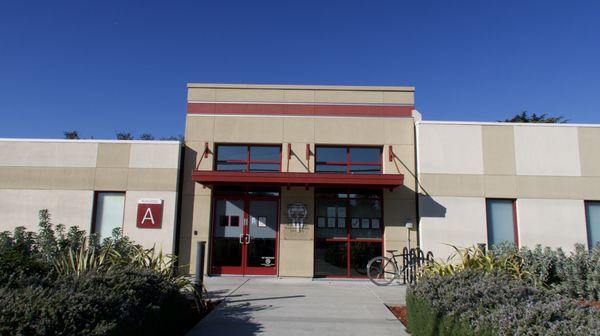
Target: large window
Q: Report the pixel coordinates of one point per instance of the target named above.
(349, 231)
(592, 214)
(349, 160)
(501, 221)
(248, 158)
(109, 213)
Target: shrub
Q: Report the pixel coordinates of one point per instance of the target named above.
(490, 303)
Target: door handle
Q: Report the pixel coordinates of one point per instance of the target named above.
(242, 237)
(249, 239)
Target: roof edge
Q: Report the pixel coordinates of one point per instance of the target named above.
(301, 87)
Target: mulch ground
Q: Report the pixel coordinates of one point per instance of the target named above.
(591, 304)
(401, 313)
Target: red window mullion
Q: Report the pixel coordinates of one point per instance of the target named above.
(248, 158)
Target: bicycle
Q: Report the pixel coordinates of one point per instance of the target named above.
(382, 271)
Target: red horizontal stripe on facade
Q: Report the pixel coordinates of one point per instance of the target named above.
(302, 109)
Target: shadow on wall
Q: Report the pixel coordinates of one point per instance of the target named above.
(185, 233)
(430, 208)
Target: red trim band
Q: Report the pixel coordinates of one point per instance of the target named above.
(302, 109)
(211, 177)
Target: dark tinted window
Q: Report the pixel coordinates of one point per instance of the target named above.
(353, 160)
(248, 158)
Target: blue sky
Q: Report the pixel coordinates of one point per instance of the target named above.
(105, 66)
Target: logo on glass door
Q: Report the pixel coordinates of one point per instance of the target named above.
(297, 213)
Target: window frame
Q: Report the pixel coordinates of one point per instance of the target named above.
(588, 225)
(514, 219)
(348, 163)
(248, 161)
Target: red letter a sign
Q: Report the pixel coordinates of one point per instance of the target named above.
(149, 213)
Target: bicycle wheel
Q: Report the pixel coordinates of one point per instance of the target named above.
(382, 271)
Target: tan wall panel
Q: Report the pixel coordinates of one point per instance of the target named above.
(555, 223)
(162, 238)
(112, 155)
(331, 96)
(363, 131)
(298, 129)
(500, 186)
(407, 98)
(48, 154)
(402, 163)
(248, 129)
(399, 131)
(152, 179)
(46, 178)
(199, 128)
(195, 226)
(111, 179)
(296, 249)
(202, 94)
(549, 187)
(452, 185)
(498, 150)
(193, 153)
(297, 162)
(154, 155)
(249, 95)
(296, 258)
(68, 207)
(589, 141)
(299, 96)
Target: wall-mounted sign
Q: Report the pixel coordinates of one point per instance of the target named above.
(149, 213)
(297, 213)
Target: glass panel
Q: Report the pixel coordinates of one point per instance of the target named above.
(267, 153)
(262, 228)
(354, 169)
(331, 218)
(593, 223)
(264, 167)
(365, 218)
(231, 166)
(109, 213)
(227, 250)
(331, 154)
(500, 221)
(321, 168)
(232, 153)
(330, 258)
(358, 154)
(360, 254)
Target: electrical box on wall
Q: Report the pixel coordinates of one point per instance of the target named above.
(149, 213)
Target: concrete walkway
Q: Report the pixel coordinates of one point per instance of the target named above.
(271, 306)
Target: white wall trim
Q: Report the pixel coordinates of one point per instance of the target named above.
(153, 142)
(292, 116)
(193, 101)
(483, 123)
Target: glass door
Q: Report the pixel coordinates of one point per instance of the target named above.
(228, 236)
(245, 236)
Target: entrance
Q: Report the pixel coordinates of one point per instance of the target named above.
(244, 239)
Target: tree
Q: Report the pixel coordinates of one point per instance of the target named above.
(173, 138)
(124, 136)
(147, 136)
(72, 135)
(524, 117)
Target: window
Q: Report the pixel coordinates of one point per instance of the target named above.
(109, 213)
(349, 160)
(592, 215)
(246, 158)
(501, 221)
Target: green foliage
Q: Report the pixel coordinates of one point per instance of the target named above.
(474, 302)
(57, 283)
(524, 117)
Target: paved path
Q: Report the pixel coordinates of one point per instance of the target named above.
(271, 306)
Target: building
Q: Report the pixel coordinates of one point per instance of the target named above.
(313, 181)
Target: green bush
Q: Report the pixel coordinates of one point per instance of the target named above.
(57, 283)
(473, 302)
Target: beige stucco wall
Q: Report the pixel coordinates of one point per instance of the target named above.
(63, 176)
(296, 249)
(549, 169)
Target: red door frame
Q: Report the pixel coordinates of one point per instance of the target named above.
(243, 269)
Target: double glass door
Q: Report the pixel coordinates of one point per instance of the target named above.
(244, 239)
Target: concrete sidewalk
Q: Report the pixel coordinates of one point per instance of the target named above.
(271, 306)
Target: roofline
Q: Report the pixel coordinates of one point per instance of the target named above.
(154, 142)
(301, 87)
(499, 123)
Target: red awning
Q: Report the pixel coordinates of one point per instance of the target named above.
(298, 179)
